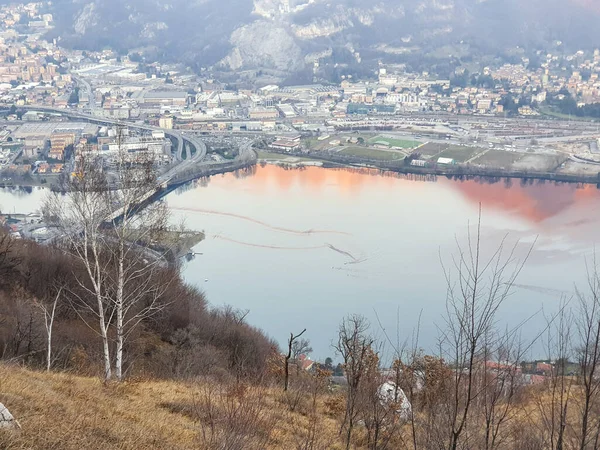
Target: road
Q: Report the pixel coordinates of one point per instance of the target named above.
(245, 154)
(582, 160)
(181, 138)
(82, 83)
(92, 108)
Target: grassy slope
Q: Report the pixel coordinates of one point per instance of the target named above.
(63, 411)
(68, 412)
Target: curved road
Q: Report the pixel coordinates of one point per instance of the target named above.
(181, 138)
(92, 108)
(246, 154)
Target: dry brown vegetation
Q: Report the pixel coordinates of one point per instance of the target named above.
(70, 412)
(63, 411)
(185, 339)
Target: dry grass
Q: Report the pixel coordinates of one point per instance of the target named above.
(63, 411)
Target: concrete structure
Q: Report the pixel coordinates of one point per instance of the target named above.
(139, 145)
(286, 145)
(263, 113)
(47, 128)
(166, 122)
(162, 97)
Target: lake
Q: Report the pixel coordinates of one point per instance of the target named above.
(303, 248)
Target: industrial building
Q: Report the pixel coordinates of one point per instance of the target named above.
(168, 98)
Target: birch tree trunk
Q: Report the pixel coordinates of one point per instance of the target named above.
(105, 343)
(119, 304)
(49, 324)
(109, 231)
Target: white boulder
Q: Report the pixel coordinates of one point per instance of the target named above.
(6, 418)
(390, 394)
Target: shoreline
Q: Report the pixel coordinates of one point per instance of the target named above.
(452, 172)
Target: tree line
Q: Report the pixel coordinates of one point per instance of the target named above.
(102, 300)
(565, 103)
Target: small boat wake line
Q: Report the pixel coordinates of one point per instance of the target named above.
(258, 222)
(353, 259)
(272, 247)
(542, 290)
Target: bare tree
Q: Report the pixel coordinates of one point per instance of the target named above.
(300, 348)
(382, 406)
(232, 417)
(136, 294)
(49, 311)
(407, 370)
(588, 325)
(9, 260)
(555, 402)
(355, 347)
(106, 226)
(312, 435)
(291, 341)
(80, 215)
(499, 385)
(473, 301)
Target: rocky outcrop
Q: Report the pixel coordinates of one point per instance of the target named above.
(320, 28)
(86, 19)
(270, 9)
(150, 30)
(264, 44)
(314, 57)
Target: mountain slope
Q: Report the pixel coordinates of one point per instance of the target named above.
(275, 34)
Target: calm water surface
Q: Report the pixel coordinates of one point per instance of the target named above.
(303, 248)
(21, 200)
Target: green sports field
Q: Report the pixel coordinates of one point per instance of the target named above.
(401, 143)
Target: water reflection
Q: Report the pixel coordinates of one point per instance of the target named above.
(390, 229)
(302, 248)
(21, 199)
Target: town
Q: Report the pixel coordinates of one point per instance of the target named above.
(530, 116)
(308, 224)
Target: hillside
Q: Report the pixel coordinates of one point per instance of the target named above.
(69, 412)
(286, 35)
(197, 378)
(186, 338)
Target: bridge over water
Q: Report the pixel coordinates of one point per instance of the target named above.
(190, 165)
